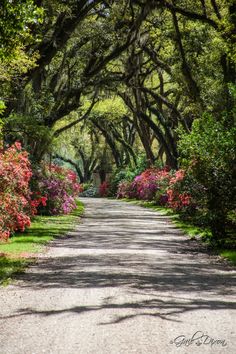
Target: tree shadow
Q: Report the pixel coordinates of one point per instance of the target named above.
(167, 310)
(142, 257)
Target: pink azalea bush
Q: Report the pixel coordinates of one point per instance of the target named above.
(144, 186)
(150, 182)
(61, 188)
(163, 186)
(127, 189)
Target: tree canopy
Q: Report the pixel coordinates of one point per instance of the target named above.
(168, 61)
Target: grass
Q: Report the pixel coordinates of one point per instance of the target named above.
(22, 248)
(189, 229)
(230, 255)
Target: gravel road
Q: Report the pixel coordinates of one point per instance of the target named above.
(125, 281)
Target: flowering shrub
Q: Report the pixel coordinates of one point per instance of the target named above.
(104, 189)
(177, 198)
(126, 189)
(16, 206)
(61, 188)
(160, 185)
(38, 199)
(150, 182)
(146, 185)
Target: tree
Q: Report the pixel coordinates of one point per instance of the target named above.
(74, 68)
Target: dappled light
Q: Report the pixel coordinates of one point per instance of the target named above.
(117, 176)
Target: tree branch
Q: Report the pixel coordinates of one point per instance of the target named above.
(191, 15)
(77, 121)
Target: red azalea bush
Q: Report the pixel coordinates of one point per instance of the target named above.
(178, 198)
(61, 188)
(16, 206)
(104, 189)
(55, 191)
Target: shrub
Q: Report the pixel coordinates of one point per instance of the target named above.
(116, 178)
(126, 189)
(149, 185)
(85, 187)
(91, 192)
(150, 181)
(16, 206)
(104, 189)
(165, 187)
(61, 188)
(178, 198)
(127, 174)
(208, 154)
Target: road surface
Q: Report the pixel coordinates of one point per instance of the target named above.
(125, 281)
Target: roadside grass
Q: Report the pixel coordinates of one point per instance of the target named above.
(230, 255)
(22, 248)
(189, 229)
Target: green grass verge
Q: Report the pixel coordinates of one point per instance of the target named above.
(22, 248)
(230, 255)
(188, 228)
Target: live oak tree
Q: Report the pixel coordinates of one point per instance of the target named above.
(168, 61)
(71, 57)
(81, 39)
(106, 139)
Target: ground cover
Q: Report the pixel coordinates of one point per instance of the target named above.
(22, 248)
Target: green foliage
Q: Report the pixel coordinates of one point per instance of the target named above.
(141, 165)
(127, 174)
(113, 108)
(230, 255)
(16, 18)
(2, 108)
(115, 180)
(19, 64)
(132, 171)
(37, 137)
(209, 155)
(86, 186)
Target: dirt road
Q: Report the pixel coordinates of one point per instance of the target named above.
(125, 281)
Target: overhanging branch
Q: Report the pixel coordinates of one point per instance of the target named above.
(75, 122)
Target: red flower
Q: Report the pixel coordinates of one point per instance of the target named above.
(15, 206)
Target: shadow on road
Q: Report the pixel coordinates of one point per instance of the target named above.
(136, 255)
